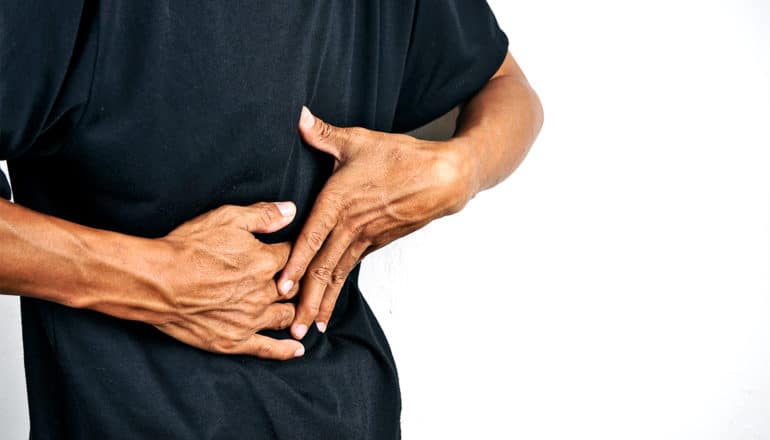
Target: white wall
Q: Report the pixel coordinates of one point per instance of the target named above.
(14, 421)
(618, 285)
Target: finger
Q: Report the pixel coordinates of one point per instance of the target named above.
(269, 348)
(292, 293)
(318, 276)
(255, 345)
(347, 262)
(266, 217)
(278, 253)
(322, 219)
(277, 316)
(268, 294)
(322, 135)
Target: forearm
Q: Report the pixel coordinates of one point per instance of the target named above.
(52, 259)
(496, 128)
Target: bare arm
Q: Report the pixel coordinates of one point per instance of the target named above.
(216, 307)
(388, 185)
(496, 128)
(51, 259)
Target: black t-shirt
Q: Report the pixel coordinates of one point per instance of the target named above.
(135, 116)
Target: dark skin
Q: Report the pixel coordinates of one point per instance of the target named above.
(384, 186)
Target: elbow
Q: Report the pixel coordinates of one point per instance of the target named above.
(529, 105)
(538, 114)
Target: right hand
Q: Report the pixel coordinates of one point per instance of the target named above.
(220, 288)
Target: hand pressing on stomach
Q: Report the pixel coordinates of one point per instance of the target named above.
(219, 283)
(208, 283)
(384, 186)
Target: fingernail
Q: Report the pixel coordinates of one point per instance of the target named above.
(299, 331)
(300, 351)
(286, 286)
(306, 118)
(321, 326)
(287, 208)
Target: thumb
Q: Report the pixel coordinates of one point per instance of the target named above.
(322, 135)
(264, 217)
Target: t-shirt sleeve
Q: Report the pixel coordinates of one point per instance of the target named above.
(39, 41)
(455, 47)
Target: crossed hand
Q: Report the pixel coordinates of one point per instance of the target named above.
(384, 186)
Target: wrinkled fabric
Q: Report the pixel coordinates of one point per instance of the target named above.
(135, 116)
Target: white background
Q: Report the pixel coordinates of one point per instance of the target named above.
(618, 284)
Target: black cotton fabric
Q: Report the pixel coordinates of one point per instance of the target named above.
(135, 116)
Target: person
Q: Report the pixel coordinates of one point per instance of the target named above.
(196, 184)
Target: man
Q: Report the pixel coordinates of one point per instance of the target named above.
(196, 183)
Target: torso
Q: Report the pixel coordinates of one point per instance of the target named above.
(193, 105)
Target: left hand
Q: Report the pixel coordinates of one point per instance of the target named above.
(384, 186)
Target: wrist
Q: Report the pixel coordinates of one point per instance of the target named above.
(124, 276)
(463, 171)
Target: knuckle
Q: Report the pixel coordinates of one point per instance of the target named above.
(314, 239)
(353, 228)
(338, 277)
(322, 274)
(286, 319)
(266, 351)
(265, 217)
(334, 198)
(329, 206)
(280, 316)
(228, 209)
(228, 213)
(325, 131)
(396, 154)
(369, 232)
(224, 345)
(287, 315)
(344, 204)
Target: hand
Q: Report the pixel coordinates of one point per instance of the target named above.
(221, 287)
(384, 186)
